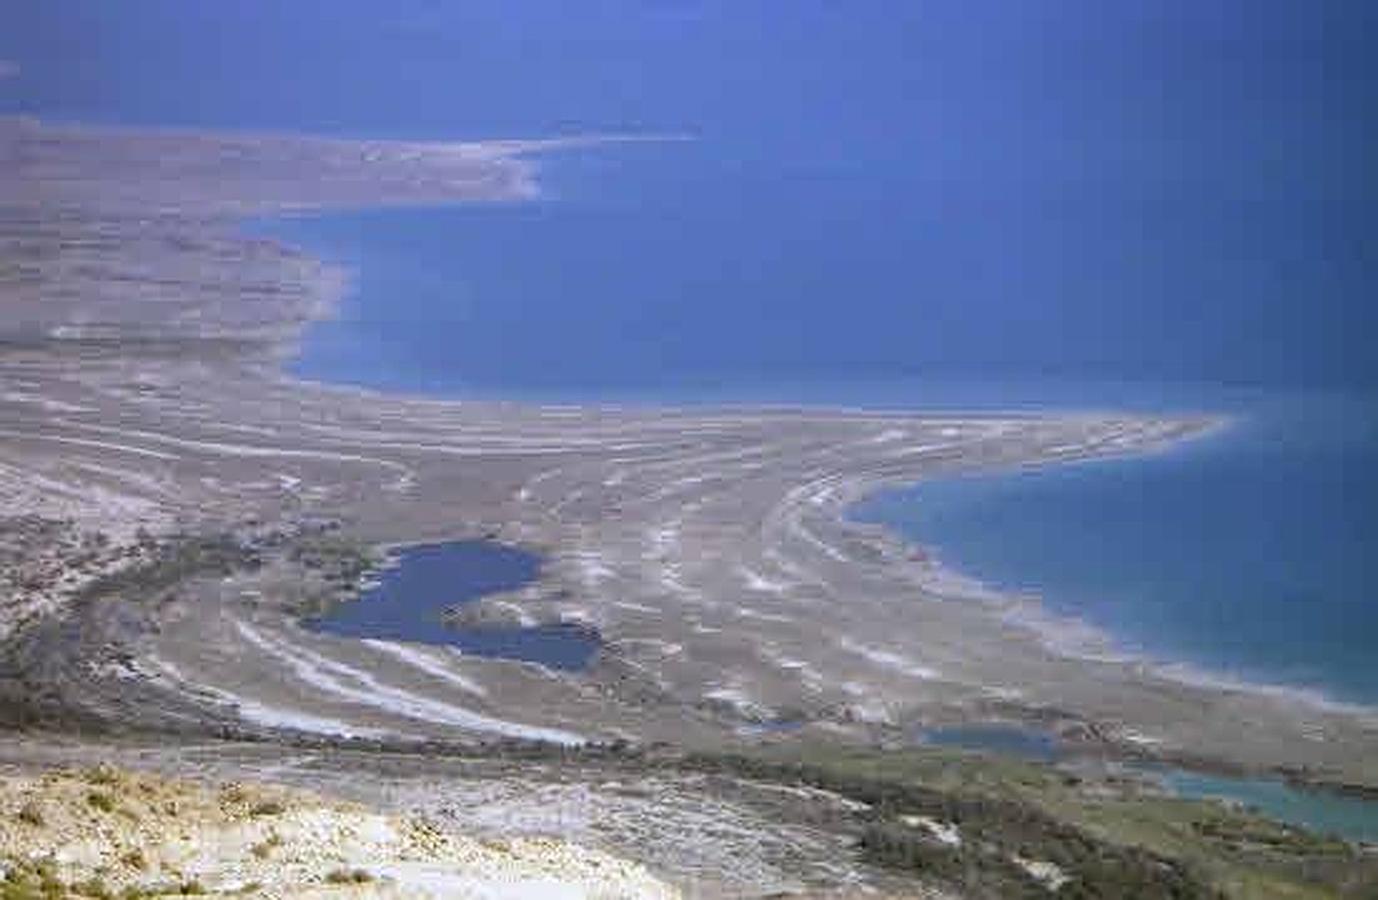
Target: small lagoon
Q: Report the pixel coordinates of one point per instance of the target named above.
(1007, 740)
(1327, 812)
(410, 598)
(1323, 811)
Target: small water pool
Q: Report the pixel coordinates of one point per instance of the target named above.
(1327, 812)
(1323, 811)
(409, 601)
(1008, 740)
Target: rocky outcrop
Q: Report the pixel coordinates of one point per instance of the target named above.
(104, 832)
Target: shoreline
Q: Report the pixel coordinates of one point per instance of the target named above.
(1068, 633)
(707, 544)
(1080, 639)
(1076, 636)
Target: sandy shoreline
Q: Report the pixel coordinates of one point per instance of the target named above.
(150, 429)
(1073, 636)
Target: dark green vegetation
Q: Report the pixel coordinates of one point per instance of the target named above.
(349, 876)
(46, 667)
(171, 563)
(336, 562)
(1106, 838)
(986, 828)
(997, 833)
(979, 826)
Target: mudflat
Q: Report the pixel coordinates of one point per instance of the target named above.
(175, 504)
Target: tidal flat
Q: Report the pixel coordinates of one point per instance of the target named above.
(176, 504)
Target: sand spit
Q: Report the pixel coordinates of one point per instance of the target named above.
(175, 503)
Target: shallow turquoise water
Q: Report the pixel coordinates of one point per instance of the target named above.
(1063, 205)
(1036, 205)
(1249, 554)
(1326, 812)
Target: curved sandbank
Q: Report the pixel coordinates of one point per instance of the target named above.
(164, 475)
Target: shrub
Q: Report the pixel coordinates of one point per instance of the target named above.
(102, 801)
(264, 848)
(102, 776)
(349, 876)
(135, 859)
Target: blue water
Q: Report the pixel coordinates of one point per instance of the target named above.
(1080, 190)
(1249, 553)
(1324, 811)
(1162, 206)
(410, 598)
(1007, 740)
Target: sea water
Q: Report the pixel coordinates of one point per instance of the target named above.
(902, 206)
(1247, 553)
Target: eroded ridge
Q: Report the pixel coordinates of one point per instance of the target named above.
(171, 496)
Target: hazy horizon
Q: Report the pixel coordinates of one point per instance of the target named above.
(1081, 190)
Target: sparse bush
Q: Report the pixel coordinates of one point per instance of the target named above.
(94, 888)
(995, 829)
(899, 846)
(232, 794)
(32, 880)
(349, 876)
(135, 859)
(264, 848)
(102, 801)
(31, 814)
(268, 808)
(102, 776)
